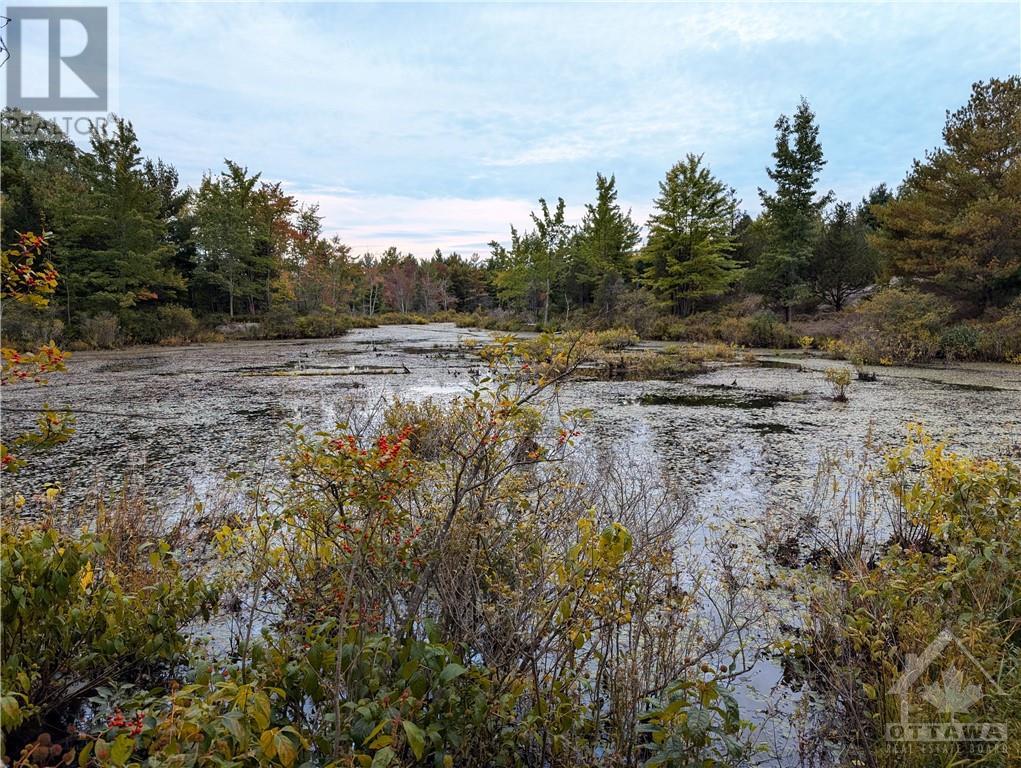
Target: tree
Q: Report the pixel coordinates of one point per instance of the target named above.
(688, 255)
(793, 210)
(956, 220)
(175, 213)
(842, 261)
(878, 195)
(537, 260)
(113, 252)
(38, 168)
(604, 244)
(400, 275)
(224, 230)
(243, 231)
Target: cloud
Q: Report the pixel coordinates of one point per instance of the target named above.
(420, 225)
(395, 113)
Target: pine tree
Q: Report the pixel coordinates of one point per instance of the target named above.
(114, 253)
(688, 256)
(956, 220)
(842, 261)
(793, 211)
(602, 251)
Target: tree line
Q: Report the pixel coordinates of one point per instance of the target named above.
(128, 238)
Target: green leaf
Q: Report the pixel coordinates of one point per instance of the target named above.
(416, 738)
(232, 721)
(85, 754)
(121, 749)
(285, 749)
(383, 758)
(451, 672)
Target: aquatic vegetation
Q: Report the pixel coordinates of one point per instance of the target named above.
(839, 380)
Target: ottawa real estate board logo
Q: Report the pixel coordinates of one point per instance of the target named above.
(58, 62)
(939, 695)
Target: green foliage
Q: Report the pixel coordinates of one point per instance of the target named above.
(792, 212)
(687, 257)
(238, 223)
(957, 218)
(74, 617)
(112, 252)
(603, 245)
(842, 262)
(695, 724)
(535, 266)
(901, 325)
(163, 323)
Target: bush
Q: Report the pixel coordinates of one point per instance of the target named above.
(951, 563)
(72, 622)
(1000, 334)
(26, 326)
(959, 342)
(159, 324)
(839, 380)
(613, 338)
(176, 322)
(101, 332)
(898, 325)
(766, 330)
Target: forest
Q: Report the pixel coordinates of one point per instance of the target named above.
(927, 269)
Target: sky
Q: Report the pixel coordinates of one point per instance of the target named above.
(434, 125)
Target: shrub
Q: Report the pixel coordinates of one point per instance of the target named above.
(613, 338)
(766, 330)
(951, 563)
(695, 723)
(1000, 334)
(901, 325)
(70, 623)
(959, 342)
(101, 331)
(839, 380)
(26, 326)
(176, 322)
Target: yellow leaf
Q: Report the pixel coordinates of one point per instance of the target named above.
(87, 576)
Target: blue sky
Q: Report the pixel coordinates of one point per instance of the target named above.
(437, 125)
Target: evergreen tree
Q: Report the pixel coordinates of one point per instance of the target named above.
(793, 210)
(956, 220)
(688, 255)
(842, 262)
(175, 213)
(602, 252)
(113, 252)
(878, 195)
